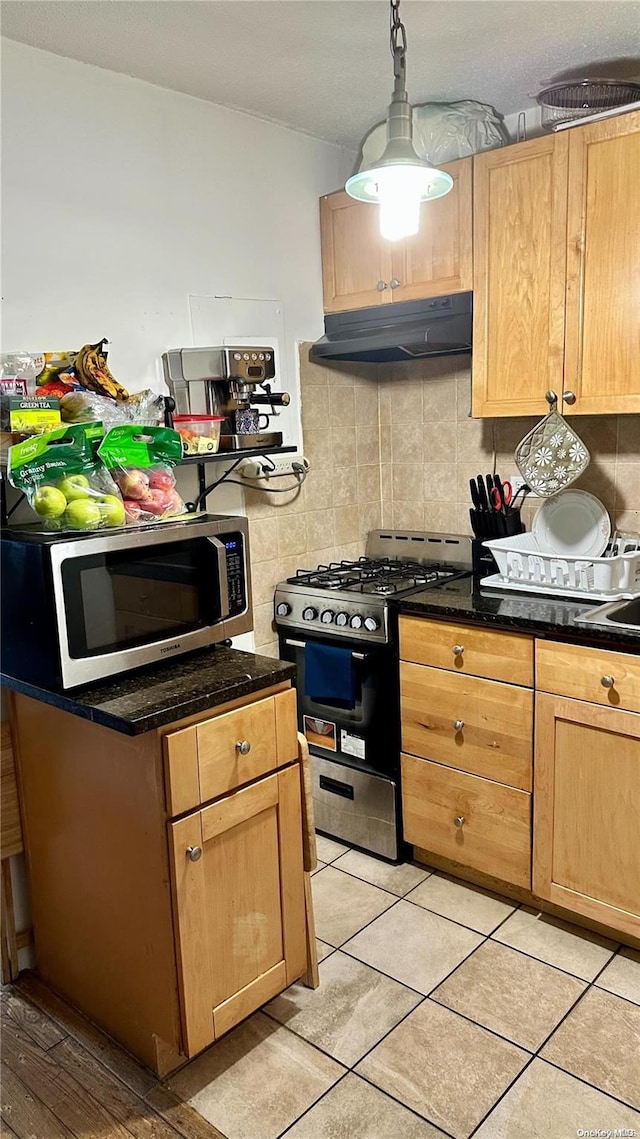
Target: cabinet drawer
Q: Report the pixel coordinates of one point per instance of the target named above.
(476, 725)
(495, 836)
(205, 760)
(571, 670)
(498, 656)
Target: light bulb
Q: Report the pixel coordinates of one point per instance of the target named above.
(400, 191)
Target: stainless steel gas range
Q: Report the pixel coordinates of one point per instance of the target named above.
(335, 624)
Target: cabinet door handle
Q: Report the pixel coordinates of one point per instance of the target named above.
(569, 397)
(458, 725)
(381, 286)
(457, 822)
(243, 747)
(457, 650)
(608, 681)
(194, 853)
(395, 283)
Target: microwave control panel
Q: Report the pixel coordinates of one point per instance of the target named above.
(236, 576)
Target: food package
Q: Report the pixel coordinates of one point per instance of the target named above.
(17, 378)
(141, 460)
(33, 416)
(65, 482)
(146, 407)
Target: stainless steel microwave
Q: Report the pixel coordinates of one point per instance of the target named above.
(78, 607)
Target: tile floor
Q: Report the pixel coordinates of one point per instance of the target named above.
(443, 1010)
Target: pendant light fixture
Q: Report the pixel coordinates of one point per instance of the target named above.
(400, 180)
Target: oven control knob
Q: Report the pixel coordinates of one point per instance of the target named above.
(371, 624)
(356, 621)
(327, 616)
(309, 614)
(283, 609)
(342, 619)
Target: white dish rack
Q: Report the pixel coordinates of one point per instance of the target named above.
(523, 566)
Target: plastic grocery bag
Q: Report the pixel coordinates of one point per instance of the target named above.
(141, 460)
(65, 483)
(443, 132)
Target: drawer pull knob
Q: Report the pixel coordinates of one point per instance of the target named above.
(458, 725)
(381, 286)
(243, 747)
(607, 681)
(459, 820)
(395, 283)
(458, 650)
(194, 853)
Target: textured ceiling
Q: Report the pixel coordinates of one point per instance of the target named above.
(323, 66)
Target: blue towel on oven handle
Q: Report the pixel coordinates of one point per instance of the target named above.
(329, 675)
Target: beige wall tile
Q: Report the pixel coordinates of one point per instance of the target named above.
(311, 372)
(320, 529)
(368, 483)
(264, 578)
(408, 516)
(342, 406)
(628, 486)
(318, 448)
(386, 481)
(385, 443)
(343, 446)
(366, 400)
(292, 534)
(628, 438)
(438, 482)
(439, 400)
(405, 486)
(407, 442)
(369, 518)
(440, 441)
(346, 524)
(343, 488)
(264, 629)
(385, 392)
(406, 403)
(315, 490)
(263, 539)
(367, 445)
(315, 407)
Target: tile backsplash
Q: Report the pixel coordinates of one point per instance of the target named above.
(393, 445)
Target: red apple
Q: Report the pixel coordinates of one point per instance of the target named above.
(133, 483)
(157, 502)
(176, 505)
(132, 510)
(162, 480)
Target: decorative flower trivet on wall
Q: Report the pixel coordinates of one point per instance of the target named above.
(552, 455)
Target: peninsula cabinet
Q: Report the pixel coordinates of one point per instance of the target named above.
(166, 869)
(557, 272)
(360, 268)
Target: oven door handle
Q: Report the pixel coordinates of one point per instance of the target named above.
(302, 645)
(221, 551)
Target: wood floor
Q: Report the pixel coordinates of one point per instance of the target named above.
(62, 1078)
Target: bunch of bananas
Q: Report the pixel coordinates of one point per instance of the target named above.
(94, 374)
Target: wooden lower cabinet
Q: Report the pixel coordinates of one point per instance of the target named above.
(469, 820)
(587, 807)
(239, 903)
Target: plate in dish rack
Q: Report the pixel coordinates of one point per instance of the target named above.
(551, 456)
(574, 524)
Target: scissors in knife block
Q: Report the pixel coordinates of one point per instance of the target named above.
(501, 495)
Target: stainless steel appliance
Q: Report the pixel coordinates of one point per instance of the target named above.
(78, 607)
(223, 381)
(355, 743)
(410, 330)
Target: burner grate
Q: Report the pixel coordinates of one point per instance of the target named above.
(377, 576)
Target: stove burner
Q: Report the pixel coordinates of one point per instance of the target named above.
(380, 577)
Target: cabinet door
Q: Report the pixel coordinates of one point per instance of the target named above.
(519, 225)
(239, 904)
(356, 260)
(439, 258)
(602, 361)
(586, 810)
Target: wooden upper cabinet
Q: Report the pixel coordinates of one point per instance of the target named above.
(361, 268)
(439, 259)
(602, 354)
(519, 220)
(356, 260)
(586, 854)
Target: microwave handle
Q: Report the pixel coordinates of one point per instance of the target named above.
(222, 574)
(301, 645)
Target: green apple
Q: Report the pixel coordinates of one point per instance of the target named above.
(49, 502)
(75, 487)
(83, 514)
(112, 510)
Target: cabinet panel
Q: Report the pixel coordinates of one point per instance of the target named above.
(498, 656)
(587, 804)
(354, 255)
(495, 834)
(572, 670)
(439, 258)
(496, 736)
(520, 216)
(603, 267)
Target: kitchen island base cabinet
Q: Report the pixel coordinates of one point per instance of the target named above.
(587, 807)
(165, 931)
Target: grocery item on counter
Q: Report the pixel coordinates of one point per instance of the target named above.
(200, 434)
(55, 367)
(146, 408)
(65, 482)
(141, 460)
(93, 372)
(30, 415)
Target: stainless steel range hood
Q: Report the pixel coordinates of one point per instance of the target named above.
(413, 330)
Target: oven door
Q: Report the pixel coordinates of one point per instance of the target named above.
(129, 599)
(365, 736)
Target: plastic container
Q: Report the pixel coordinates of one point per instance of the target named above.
(580, 98)
(200, 434)
(522, 565)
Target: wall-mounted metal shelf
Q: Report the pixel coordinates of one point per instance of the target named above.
(234, 457)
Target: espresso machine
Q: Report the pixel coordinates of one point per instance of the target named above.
(225, 381)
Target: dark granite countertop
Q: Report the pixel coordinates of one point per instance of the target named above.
(151, 697)
(551, 617)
